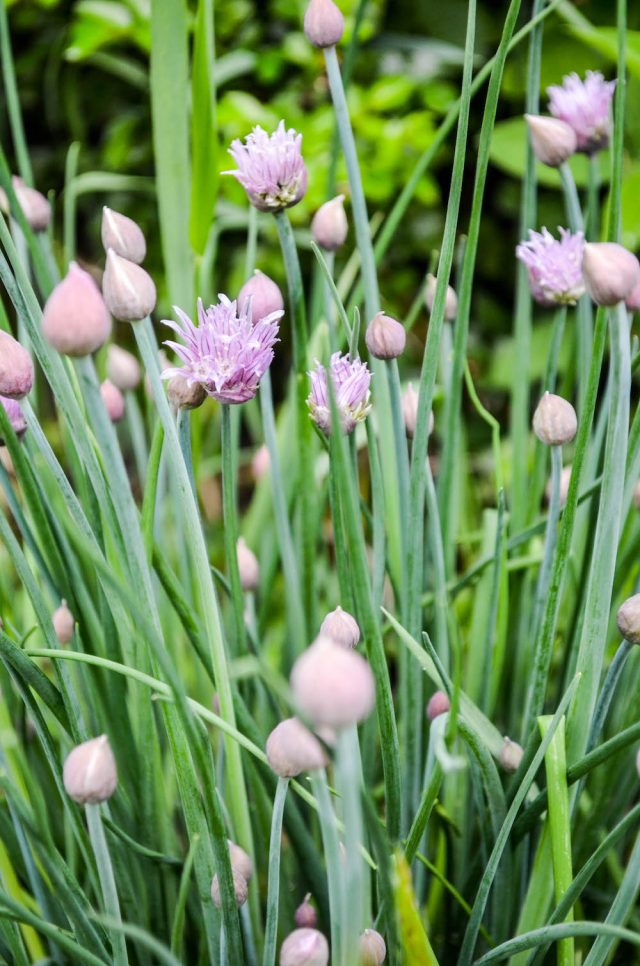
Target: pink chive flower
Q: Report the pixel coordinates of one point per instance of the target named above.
(350, 380)
(585, 106)
(16, 416)
(225, 353)
(554, 266)
(270, 167)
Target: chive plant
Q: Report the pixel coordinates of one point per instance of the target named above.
(195, 766)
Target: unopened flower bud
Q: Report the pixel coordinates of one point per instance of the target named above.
(554, 421)
(185, 395)
(89, 774)
(35, 207)
(265, 295)
(16, 417)
(341, 627)
(240, 888)
(113, 401)
(291, 749)
(329, 226)
(510, 755)
(385, 337)
(333, 686)
(240, 860)
(248, 566)
(305, 915)
(128, 290)
(438, 704)
(260, 462)
(565, 480)
(304, 947)
(628, 619)
(123, 369)
(323, 23)
(632, 301)
(410, 411)
(123, 235)
(16, 368)
(552, 140)
(451, 299)
(373, 950)
(75, 320)
(64, 623)
(610, 272)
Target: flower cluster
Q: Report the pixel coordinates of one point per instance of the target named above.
(350, 379)
(554, 266)
(225, 352)
(585, 106)
(270, 167)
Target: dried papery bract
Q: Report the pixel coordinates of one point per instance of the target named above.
(304, 947)
(16, 368)
(75, 320)
(341, 627)
(240, 888)
(128, 289)
(16, 417)
(410, 398)
(183, 394)
(305, 915)
(270, 167)
(510, 755)
(123, 369)
(248, 566)
(64, 624)
(554, 266)
(438, 704)
(329, 225)
(89, 774)
(611, 272)
(628, 619)
(372, 948)
(555, 422)
(451, 299)
(123, 235)
(266, 297)
(291, 749)
(385, 337)
(585, 105)
(113, 401)
(552, 140)
(333, 686)
(323, 23)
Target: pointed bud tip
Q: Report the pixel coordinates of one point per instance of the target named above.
(123, 235)
(385, 337)
(555, 422)
(323, 23)
(553, 141)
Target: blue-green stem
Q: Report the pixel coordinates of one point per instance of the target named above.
(230, 511)
(12, 99)
(584, 312)
(348, 770)
(620, 910)
(184, 434)
(331, 848)
(107, 882)
(273, 893)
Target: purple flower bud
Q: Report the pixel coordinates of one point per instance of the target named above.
(341, 627)
(438, 704)
(248, 566)
(291, 749)
(554, 421)
(628, 619)
(323, 23)
(270, 167)
(35, 207)
(351, 387)
(75, 320)
(266, 297)
(123, 369)
(113, 401)
(554, 267)
(304, 947)
(451, 299)
(510, 755)
(333, 686)
(123, 235)
(610, 271)
(329, 226)
(183, 394)
(64, 623)
(90, 775)
(240, 860)
(585, 106)
(305, 915)
(128, 290)
(16, 417)
(373, 950)
(240, 888)
(385, 338)
(16, 368)
(410, 411)
(552, 140)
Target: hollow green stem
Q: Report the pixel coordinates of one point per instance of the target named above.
(271, 928)
(349, 781)
(107, 881)
(230, 510)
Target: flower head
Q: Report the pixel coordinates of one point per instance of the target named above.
(351, 386)
(555, 267)
(585, 106)
(225, 353)
(270, 167)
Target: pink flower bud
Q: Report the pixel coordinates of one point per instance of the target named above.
(385, 338)
(305, 915)
(323, 23)
(239, 887)
(565, 480)
(610, 272)
(438, 704)
(333, 686)
(329, 226)
(248, 566)
(240, 860)
(260, 462)
(304, 947)
(35, 207)
(123, 235)
(16, 368)
(75, 320)
(373, 950)
(632, 300)
(128, 290)
(265, 295)
(341, 627)
(554, 421)
(451, 299)
(185, 395)
(123, 369)
(628, 619)
(552, 140)
(113, 401)
(291, 749)
(16, 417)
(64, 623)
(510, 755)
(410, 411)
(89, 773)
